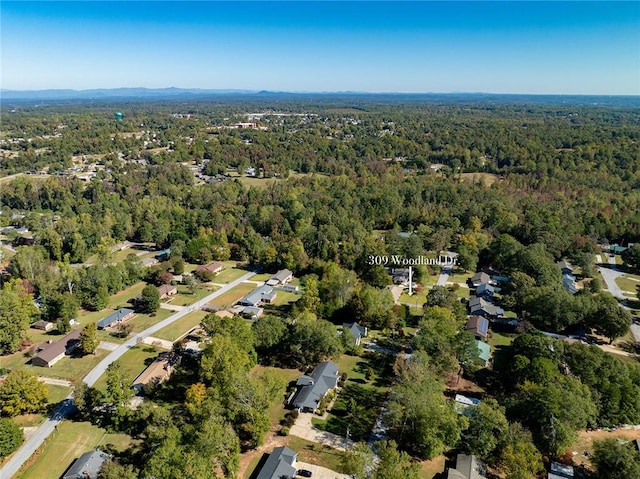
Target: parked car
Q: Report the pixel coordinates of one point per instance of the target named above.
(304, 473)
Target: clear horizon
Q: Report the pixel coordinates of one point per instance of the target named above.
(543, 48)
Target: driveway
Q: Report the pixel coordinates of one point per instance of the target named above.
(609, 274)
(444, 276)
(162, 343)
(319, 472)
(55, 381)
(635, 330)
(171, 307)
(304, 429)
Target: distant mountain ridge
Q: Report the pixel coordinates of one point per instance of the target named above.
(173, 93)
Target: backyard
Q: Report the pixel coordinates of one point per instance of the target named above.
(133, 363)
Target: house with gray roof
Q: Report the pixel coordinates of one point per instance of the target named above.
(569, 283)
(486, 291)
(358, 331)
(565, 266)
(467, 467)
(51, 353)
(87, 466)
(480, 307)
(560, 471)
(117, 316)
(280, 464)
(260, 295)
(281, 277)
(478, 326)
(315, 386)
(480, 278)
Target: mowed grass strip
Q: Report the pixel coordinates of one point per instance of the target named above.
(230, 297)
(133, 363)
(181, 326)
(65, 445)
(229, 274)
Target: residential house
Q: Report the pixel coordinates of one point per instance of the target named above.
(565, 266)
(569, 283)
(315, 386)
(51, 353)
(87, 466)
(281, 277)
(158, 371)
(480, 278)
(560, 471)
(358, 331)
(253, 312)
(486, 291)
(147, 262)
(214, 268)
(280, 464)
(478, 326)
(120, 315)
(42, 325)
(467, 467)
(167, 290)
(463, 403)
(163, 255)
(484, 352)
(260, 295)
(480, 307)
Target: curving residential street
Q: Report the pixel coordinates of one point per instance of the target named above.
(35, 441)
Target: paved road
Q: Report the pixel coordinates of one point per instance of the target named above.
(444, 276)
(34, 442)
(609, 274)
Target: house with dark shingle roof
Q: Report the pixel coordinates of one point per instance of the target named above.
(51, 353)
(486, 291)
(87, 466)
(280, 464)
(478, 326)
(480, 307)
(480, 278)
(358, 331)
(117, 316)
(315, 386)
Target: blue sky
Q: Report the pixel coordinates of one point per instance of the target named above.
(501, 47)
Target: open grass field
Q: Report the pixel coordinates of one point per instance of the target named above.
(316, 453)
(181, 326)
(233, 295)
(586, 438)
(65, 445)
(143, 321)
(230, 274)
(185, 298)
(121, 299)
(133, 363)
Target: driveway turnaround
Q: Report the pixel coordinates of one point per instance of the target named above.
(304, 429)
(319, 472)
(34, 442)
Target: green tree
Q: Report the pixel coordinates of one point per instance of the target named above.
(114, 470)
(269, 331)
(118, 390)
(519, 458)
(615, 459)
(608, 318)
(16, 313)
(631, 256)
(89, 338)
(150, 299)
(394, 464)
(11, 437)
(487, 427)
(310, 300)
(358, 462)
(21, 392)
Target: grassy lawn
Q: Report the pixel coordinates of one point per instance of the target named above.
(460, 277)
(259, 183)
(359, 420)
(73, 368)
(230, 274)
(418, 298)
(627, 284)
(498, 339)
(313, 453)
(121, 299)
(285, 297)
(65, 445)
(29, 420)
(133, 362)
(464, 293)
(230, 297)
(143, 321)
(181, 326)
(57, 393)
(430, 469)
(261, 277)
(185, 298)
